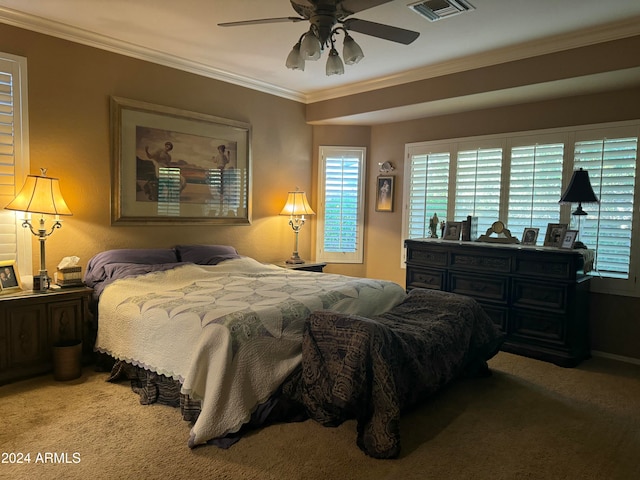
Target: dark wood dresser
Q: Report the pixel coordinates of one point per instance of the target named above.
(539, 296)
(32, 322)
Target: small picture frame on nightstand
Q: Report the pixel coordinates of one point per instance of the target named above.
(9, 277)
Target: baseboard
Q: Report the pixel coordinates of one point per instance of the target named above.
(635, 361)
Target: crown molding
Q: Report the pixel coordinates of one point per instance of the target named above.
(581, 38)
(603, 33)
(103, 42)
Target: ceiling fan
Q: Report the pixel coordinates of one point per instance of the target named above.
(327, 18)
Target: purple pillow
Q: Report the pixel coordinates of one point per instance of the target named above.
(96, 268)
(205, 254)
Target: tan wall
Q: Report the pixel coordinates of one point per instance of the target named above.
(614, 328)
(69, 90)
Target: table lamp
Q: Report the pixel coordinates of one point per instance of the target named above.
(579, 191)
(41, 194)
(296, 208)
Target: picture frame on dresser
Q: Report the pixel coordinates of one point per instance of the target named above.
(9, 277)
(530, 236)
(452, 231)
(569, 239)
(555, 234)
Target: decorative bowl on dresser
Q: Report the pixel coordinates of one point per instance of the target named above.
(538, 296)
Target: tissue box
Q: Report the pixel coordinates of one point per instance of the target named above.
(69, 276)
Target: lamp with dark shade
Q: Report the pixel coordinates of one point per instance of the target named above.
(41, 194)
(296, 208)
(579, 191)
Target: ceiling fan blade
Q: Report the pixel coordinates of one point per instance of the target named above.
(386, 32)
(355, 6)
(262, 20)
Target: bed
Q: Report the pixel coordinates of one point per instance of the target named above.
(237, 343)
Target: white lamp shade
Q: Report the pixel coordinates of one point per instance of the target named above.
(351, 52)
(40, 194)
(310, 48)
(334, 64)
(295, 60)
(297, 204)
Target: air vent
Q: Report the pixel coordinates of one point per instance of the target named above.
(434, 10)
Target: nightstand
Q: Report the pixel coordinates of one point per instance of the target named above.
(307, 267)
(32, 322)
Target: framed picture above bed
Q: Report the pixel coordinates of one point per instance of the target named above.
(176, 166)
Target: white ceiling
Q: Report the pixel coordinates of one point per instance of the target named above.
(184, 34)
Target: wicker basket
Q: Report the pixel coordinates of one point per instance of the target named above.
(67, 363)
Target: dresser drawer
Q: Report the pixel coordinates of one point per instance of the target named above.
(499, 315)
(495, 289)
(544, 267)
(430, 258)
(551, 296)
(481, 262)
(537, 327)
(426, 278)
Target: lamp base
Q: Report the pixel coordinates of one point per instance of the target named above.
(295, 259)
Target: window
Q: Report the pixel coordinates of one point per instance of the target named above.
(519, 178)
(611, 163)
(340, 234)
(428, 190)
(15, 241)
(478, 178)
(535, 186)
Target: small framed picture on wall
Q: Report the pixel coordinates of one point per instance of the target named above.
(384, 193)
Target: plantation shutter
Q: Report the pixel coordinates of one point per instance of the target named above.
(478, 186)
(428, 191)
(611, 163)
(535, 186)
(341, 225)
(15, 244)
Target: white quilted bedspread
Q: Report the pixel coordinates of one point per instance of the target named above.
(231, 333)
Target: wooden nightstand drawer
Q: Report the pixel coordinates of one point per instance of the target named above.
(32, 322)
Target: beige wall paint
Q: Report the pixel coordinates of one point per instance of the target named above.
(69, 90)
(614, 330)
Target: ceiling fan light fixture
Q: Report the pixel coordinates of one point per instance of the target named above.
(351, 51)
(310, 48)
(295, 60)
(334, 63)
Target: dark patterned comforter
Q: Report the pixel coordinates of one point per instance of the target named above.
(372, 369)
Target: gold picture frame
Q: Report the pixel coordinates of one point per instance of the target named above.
(9, 277)
(173, 166)
(384, 193)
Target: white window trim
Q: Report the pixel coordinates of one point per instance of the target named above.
(18, 67)
(626, 287)
(340, 257)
